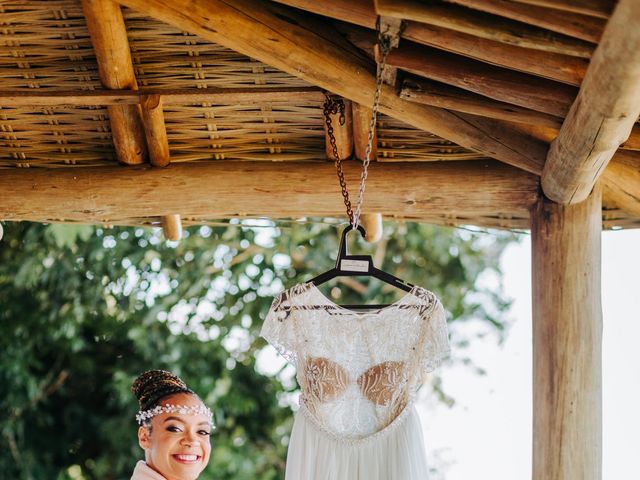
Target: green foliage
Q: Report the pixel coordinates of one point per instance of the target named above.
(84, 310)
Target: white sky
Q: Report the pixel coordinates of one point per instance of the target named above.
(488, 431)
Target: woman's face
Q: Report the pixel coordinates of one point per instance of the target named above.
(177, 446)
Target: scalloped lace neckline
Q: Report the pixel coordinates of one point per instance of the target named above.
(375, 311)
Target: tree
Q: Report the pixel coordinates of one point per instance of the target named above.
(84, 310)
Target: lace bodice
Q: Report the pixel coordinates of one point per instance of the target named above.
(358, 371)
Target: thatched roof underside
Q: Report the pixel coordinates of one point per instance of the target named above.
(47, 48)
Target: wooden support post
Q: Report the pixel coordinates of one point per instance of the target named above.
(343, 133)
(109, 38)
(567, 336)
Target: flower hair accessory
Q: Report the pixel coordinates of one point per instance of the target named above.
(144, 416)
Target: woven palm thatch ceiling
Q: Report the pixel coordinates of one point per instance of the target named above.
(475, 92)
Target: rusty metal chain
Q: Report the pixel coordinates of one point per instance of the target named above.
(331, 107)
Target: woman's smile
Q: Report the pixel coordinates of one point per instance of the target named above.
(187, 458)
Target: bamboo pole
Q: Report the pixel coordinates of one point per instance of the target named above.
(603, 114)
(567, 337)
(109, 38)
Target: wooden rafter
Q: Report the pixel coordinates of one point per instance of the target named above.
(501, 84)
(109, 38)
(486, 26)
(575, 25)
(415, 190)
(560, 67)
(594, 8)
(603, 114)
(281, 37)
(442, 95)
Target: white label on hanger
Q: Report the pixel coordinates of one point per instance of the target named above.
(354, 265)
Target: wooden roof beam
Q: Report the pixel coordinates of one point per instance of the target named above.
(594, 8)
(109, 38)
(482, 25)
(501, 84)
(603, 114)
(313, 51)
(441, 95)
(575, 25)
(560, 67)
(274, 189)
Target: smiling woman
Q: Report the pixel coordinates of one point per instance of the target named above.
(175, 428)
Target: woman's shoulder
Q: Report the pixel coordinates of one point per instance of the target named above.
(145, 472)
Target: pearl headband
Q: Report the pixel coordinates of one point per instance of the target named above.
(144, 416)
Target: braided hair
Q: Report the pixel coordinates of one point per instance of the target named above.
(154, 385)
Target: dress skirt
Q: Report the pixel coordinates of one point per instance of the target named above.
(394, 453)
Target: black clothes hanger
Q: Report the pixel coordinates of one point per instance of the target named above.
(358, 265)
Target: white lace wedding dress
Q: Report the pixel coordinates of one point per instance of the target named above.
(359, 372)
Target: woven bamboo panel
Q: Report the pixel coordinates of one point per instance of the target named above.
(398, 142)
(49, 48)
(164, 56)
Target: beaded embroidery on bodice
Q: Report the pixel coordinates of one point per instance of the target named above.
(357, 371)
